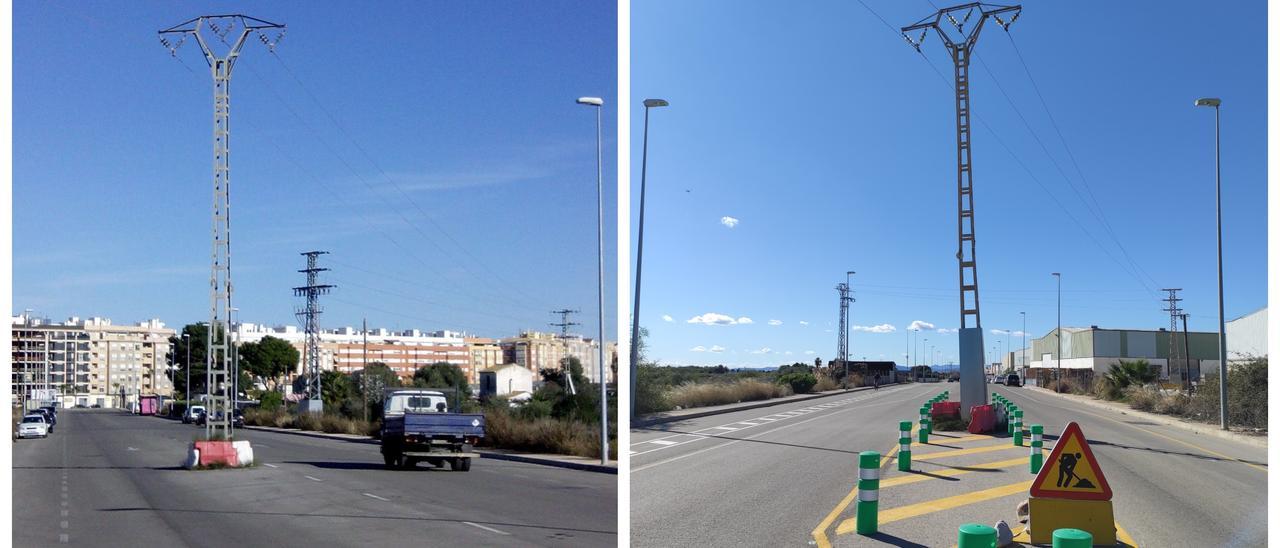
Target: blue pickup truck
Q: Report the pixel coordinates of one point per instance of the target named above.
(417, 426)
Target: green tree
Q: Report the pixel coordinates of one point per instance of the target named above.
(336, 390)
(1129, 373)
(444, 375)
(198, 340)
(269, 359)
(372, 381)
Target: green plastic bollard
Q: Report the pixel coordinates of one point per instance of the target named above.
(977, 535)
(1013, 409)
(904, 446)
(1072, 538)
(1037, 446)
(924, 425)
(1017, 428)
(868, 492)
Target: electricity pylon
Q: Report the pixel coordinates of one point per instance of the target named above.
(960, 46)
(310, 316)
(219, 402)
(564, 326)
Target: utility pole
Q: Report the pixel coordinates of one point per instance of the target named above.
(310, 316)
(842, 340)
(972, 384)
(364, 368)
(564, 326)
(1025, 365)
(220, 287)
(1186, 348)
(1174, 313)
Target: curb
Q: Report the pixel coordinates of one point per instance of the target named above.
(765, 403)
(488, 454)
(1196, 428)
(549, 462)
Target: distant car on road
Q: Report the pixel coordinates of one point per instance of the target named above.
(96, 406)
(189, 416)
(202, 417)
(237, 418)
(48, 417)
(1013, 380)
(52, 412)
(33, 426)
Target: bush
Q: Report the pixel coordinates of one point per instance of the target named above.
(704, 394)
(950, 423)
(1143, 398)
(1128, 373)
(825, 383)
(543, 435)
(1173, 403)
(1246, 396)
(800, 383)
(1066, 385)
(271, 401)
(651, 396)
(1105, 389)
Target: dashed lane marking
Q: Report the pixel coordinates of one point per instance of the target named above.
(489, 529)
(373, 496)
(312, 479)
(269, 464)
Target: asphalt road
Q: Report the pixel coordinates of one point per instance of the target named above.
(771, 476)
(108, 479)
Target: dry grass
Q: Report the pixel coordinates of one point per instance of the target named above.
(543, 435)
(704, 394)
(825, 383)
(317, 423)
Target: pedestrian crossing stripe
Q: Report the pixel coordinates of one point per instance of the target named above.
(1071, 471)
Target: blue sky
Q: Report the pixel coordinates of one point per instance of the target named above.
(831, 142)
(454, 185)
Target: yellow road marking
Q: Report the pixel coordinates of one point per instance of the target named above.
(1188, 444)
(943, 440)
(820, 532)
(1123, 536)
(938, 505)
(914, 478)
(969, 451)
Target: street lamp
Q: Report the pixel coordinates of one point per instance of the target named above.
(598, 103)
(1024, 346)
(235, 356)
(1222, 321)
(635, 309)
(1058, 373)
(187, 337)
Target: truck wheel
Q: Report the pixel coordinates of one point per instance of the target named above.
(407, 463)
(389, 461)
(466, 464)
(455, 465)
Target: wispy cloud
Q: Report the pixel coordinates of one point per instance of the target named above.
(729, 221)
(698, 348)
(944, 330)
(715, 318)
(882, 328)
(802, 322)
(775, 322)
(667, 318)
(920, 325)
(716, 348)
(765, 350)
(809, 352)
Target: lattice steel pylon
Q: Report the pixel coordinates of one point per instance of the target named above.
(961, 47)
(219, 402)
(310, 316)
(1174, 313)
(564, 326)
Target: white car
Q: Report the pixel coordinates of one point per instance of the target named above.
(192, 414)
(33, 426)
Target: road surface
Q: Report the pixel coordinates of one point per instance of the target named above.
(783, 475)
(104, 478)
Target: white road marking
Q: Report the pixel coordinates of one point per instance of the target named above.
(65, 512)
(312, 479)
(490, 529)
(373, 496)
(133, 448)
(64, 538)
(269, 464)
(64, 524)
(663, 442)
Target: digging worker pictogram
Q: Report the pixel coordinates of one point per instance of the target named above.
(1067, 471)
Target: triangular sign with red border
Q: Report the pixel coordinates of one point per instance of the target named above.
(1071, 471)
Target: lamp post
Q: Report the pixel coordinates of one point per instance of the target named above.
(1058, 335)
(235, 356)
(1222, 321)
(187, 366)
(598, 103)
(635, 309)
(1024, 346)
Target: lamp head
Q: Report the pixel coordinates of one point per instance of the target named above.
(650, 103)
(593, 101)
(1208, 102)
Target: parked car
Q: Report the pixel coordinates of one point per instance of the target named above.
(81, 406)
(51, 411)
(189, 416)
(96, 406)
(33, 426)
(48, 417)
(202, 416)
(1013, 380)
(237, 418)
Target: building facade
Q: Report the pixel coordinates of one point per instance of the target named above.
(1098, 349)
(537, 352)
(1247, 336)
(347, 349)
(89, 362)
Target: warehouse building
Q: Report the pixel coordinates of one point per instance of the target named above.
(1095, 350)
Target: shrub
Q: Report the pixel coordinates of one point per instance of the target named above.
(1143, 398)
(651, 396)
(271, 401)
(800, 383)
(306, 421)
(1246, 395)
(1173, 403)
(1127, 373)
(825, 383)
(543, 435)
(1066, 385)
(703, 394)
(950, 423)
(1105, 389)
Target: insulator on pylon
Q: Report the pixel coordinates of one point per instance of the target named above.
(165, 43)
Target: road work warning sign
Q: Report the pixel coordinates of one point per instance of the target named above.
(1071, 471)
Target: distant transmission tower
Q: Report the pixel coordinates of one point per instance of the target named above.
(564, 326)
(217, 365)
(310, 316)
(1174, 314)
(960, 46)
(842, 340)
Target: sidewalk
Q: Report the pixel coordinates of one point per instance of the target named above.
(561, 461)
(697, 412)
(1168, 420)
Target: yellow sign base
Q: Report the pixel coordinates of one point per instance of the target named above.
(1094, 516)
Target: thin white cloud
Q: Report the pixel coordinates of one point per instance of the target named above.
(944, 330)
(714, 318)
(802, 322)
(882, 328)
(698, 348)
(729, 221)
(765, 350)
(920, 325)
(788, 352)
(716, 348)
(775, 322)
(667, 318)
(809, 352)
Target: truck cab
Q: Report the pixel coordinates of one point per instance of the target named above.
(417, 426)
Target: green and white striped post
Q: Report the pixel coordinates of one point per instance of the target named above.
(976, 535)
(868, 492)
(1013, 410)
(1017, 428)
(1072, 538)
(924, 425)
(1037, 445)
(904, 446)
